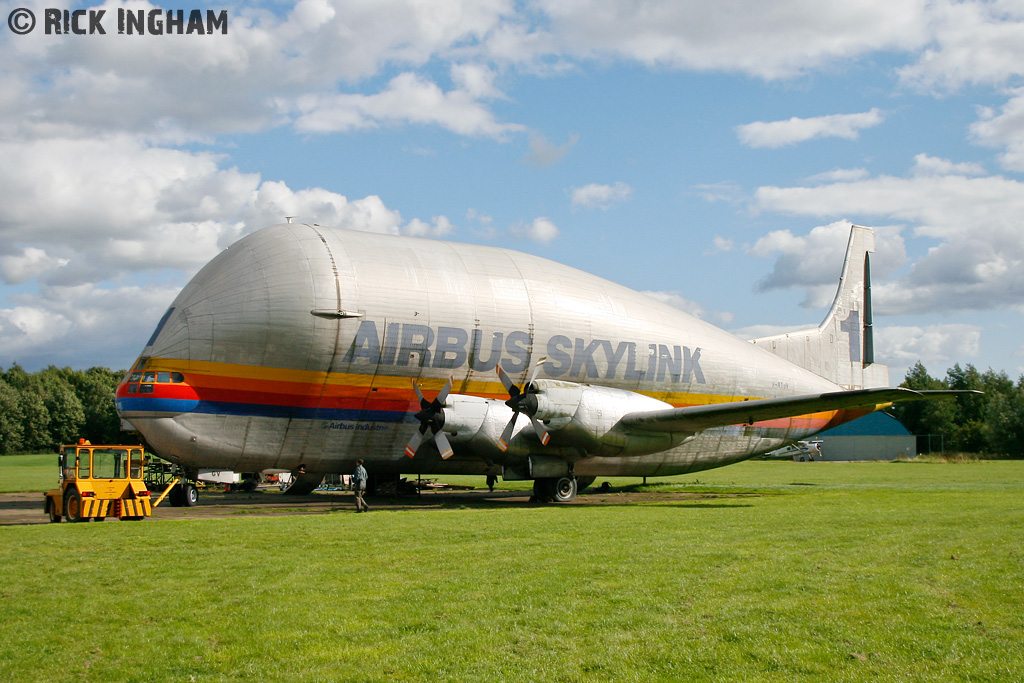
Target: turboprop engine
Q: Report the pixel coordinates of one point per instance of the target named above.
(567, 420)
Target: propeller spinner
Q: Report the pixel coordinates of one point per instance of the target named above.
(522, 401)
(431, 416)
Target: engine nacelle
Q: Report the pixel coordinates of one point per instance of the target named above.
(582, 420)
(589, 415)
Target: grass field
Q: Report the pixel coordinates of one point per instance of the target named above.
(814, 572)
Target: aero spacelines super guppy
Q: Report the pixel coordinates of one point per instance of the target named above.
(304, 348)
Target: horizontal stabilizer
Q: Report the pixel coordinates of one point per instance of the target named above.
(695, 419)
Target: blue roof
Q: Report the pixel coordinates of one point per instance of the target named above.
(875, 424)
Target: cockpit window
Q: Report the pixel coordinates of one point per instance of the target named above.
(160, 326)
(142, 382)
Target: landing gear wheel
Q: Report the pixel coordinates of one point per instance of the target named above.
(563, 489)
(190, 495)
(554, 489)
(73, 506)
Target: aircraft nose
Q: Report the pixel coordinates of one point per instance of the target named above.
(151, 389)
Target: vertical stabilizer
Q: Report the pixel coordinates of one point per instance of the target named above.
(841, 348)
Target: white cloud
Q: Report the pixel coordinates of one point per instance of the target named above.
(29, 264)
(839, 175)
(409, 98)
(769, 40)
(730, 193)
(82, 325)
(600, 196)
(814, 262)
(544, 153)
(440, 227)
(929, 165)
(792, 131)
(539, 230)
(1005, 130)
(932, 344)
(970, 42)
(978, 261)
(720, 245)
(676, 300)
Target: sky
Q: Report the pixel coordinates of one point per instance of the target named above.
(710, 154)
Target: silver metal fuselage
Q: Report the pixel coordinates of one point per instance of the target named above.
(297, 347)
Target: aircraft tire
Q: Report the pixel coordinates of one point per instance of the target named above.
(563, 489)
(190, 495)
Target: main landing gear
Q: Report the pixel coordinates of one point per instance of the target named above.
(559, 489)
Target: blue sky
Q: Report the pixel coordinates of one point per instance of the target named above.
(711, 154)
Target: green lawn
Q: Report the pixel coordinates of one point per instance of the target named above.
(824, 572)
(28, 472)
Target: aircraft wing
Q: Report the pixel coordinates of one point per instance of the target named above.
(691, 420)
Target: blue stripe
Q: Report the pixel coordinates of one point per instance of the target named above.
(175, 405)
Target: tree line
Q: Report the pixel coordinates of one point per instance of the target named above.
(991, 424)
(41, 410)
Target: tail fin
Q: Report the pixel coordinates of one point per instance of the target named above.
(841, 348)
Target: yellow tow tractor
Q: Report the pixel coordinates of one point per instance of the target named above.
(97, 482)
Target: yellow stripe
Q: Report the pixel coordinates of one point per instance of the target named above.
(427, 384)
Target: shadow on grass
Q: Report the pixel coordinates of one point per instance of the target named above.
(16, 509)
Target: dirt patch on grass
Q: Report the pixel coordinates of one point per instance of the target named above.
(27, 507)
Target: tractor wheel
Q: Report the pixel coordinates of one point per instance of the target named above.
(73, 506)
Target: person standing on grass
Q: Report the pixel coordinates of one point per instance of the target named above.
(359, 478)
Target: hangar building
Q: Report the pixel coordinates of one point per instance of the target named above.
(877, 436)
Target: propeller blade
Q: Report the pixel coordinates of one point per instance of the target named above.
(444, 390)
(542, 433)
(536, 370)
(419, 394)
(415, 441)
(506, 435)
(507, 382)
(443, 446)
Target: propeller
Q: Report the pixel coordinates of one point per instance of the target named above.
(522, 401)
(431, 416)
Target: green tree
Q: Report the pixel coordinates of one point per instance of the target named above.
(1005, 423)
(12, 430)
(967, 433)
(66, 414)
(925, 418)
(95, 389)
